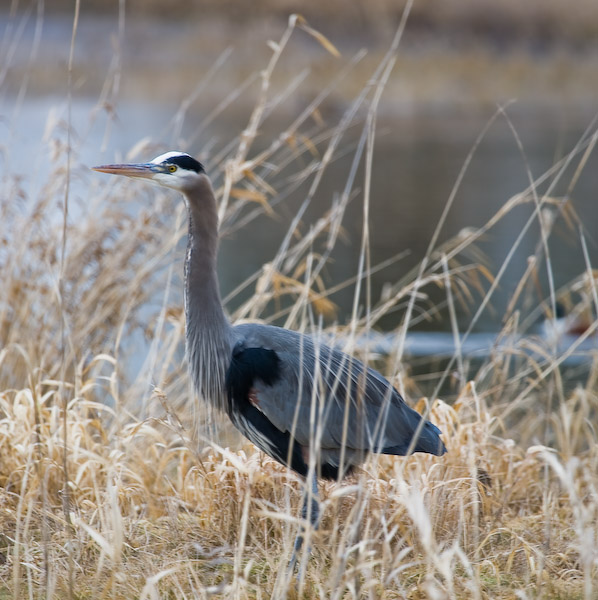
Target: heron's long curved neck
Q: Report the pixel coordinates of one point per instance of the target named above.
(209, 334)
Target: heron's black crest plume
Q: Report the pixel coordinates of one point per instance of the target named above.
(185, 162)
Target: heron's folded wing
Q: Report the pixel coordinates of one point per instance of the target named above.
(325, 395)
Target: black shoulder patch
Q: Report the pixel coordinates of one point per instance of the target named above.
(185, 162)
(247, 365)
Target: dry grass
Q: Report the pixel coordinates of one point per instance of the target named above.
(108, 491)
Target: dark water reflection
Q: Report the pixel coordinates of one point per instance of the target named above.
(416, 164)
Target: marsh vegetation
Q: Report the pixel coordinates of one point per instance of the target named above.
(115, 483)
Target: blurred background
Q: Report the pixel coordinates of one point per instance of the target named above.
(149, 76)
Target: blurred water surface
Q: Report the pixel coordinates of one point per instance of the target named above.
(416, 165)
(418, 156)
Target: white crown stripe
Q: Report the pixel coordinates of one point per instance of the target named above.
(166, 156)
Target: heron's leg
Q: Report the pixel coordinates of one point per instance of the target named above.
(315, 504)
(310, 509)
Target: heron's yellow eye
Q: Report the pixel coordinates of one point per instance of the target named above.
(172, 168)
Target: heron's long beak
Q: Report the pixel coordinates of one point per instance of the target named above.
(144, 171)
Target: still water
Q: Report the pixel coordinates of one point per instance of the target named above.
(416, 164)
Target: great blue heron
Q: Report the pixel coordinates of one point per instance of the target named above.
(310, 407)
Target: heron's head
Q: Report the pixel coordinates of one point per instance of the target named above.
(175, 170)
